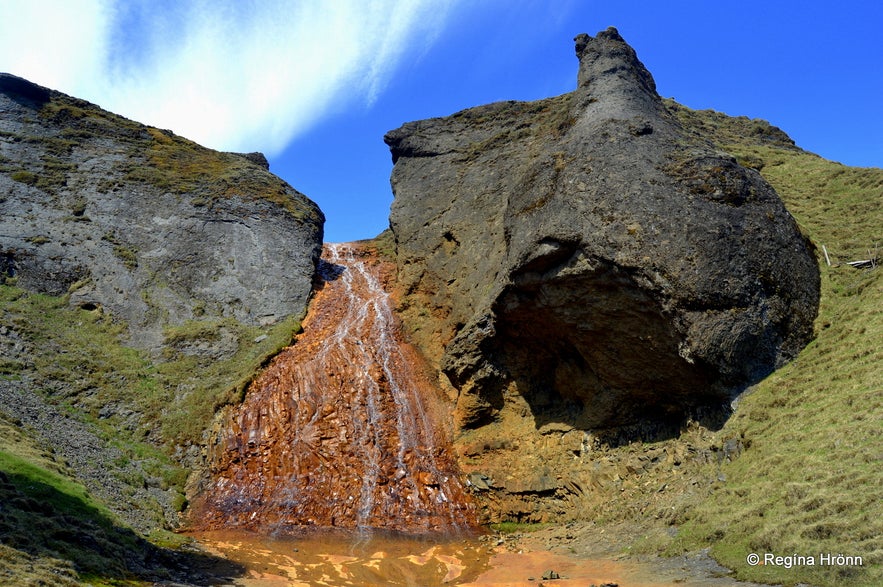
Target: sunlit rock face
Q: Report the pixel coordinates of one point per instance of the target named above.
(145, 224)
(589, 253)
(341, 429)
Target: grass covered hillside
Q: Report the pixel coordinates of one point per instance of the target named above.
(88, 435)
(810, 480)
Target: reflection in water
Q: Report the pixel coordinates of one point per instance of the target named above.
(364, 559)
(357, 559)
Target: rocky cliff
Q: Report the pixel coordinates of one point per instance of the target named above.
(585, 263)
(144, 224)
(143, 281)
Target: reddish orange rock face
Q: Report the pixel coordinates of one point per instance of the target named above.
(339, 430)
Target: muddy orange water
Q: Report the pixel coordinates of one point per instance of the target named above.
(353, 560)
(341, 429)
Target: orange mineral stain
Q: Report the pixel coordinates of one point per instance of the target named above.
(340, 430)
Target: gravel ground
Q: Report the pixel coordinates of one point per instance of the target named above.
(587, 541)
(104, 470)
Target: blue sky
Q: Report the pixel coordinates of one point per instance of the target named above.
(315, 84)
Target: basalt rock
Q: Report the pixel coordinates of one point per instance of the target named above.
(139, 222)
(590, 254)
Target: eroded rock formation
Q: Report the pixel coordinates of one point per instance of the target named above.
(586, 255)
(145, 224)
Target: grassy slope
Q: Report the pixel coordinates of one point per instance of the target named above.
(811, 479)
(83, 362)
(144, 407)
(50, 525)
(52, 529)
(54, 532)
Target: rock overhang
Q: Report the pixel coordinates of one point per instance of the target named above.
(651, 273)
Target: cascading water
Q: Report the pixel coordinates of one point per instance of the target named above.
(338, 430)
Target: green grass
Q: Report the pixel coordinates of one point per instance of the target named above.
(53, 532)
(84, 361)
(51, 529)
(25, 177)
(66, 494)
(811, 479)
(194, 388)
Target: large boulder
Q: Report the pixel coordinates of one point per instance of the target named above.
(144, 224)
(589, 253)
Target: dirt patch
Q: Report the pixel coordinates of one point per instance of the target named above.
(583, 553)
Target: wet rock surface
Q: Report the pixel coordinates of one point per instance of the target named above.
(341, 430)
(589, 256)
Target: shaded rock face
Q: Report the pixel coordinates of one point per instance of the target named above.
(145, 224)
(587, 253)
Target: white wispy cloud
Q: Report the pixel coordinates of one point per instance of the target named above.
(231, 75)
(53, 43)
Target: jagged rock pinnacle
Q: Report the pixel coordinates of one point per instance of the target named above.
(610, 69)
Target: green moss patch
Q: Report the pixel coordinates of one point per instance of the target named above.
(84, 363)
(194, 387)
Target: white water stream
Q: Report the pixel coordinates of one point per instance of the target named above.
(336, 432)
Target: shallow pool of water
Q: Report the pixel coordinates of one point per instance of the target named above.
(358, 559)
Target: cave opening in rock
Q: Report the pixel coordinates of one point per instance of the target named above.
(597, 351)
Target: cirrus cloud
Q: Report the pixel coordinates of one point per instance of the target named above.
(232, 75)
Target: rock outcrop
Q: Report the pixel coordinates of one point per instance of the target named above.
(202, 261)
(142, 223)
(586, 256)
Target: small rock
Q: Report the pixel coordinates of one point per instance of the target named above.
(479, 481)
(548, 575)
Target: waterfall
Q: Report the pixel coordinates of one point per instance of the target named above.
(340, 430)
